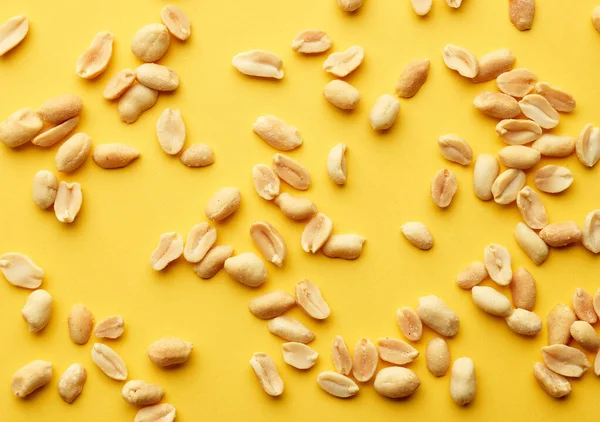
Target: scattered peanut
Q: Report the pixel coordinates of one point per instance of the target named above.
(260, 63)
(364, 363)
(12, 32)
(491, 301)
(591, 231)
(214, 260)
(517, 82)
(532, 208)
(559, 322)
(443, 188)
(162, 412)
(396, 351)
(524, 322)
(437, 356)
(471, 276)
(316, 233)
(463, 384)
(169, 351)
(200, 239)
(158, 77)
(290, 329)
(21, 271)
(170, 247)
(531, 243)
(415, 73)
(349, 5)
(583, 304)
(337, 385)
(247, 268)
(561, 234)
(550, 145)
(269, 241)
(410, 324)
(30, 377)
(555, 385)
(141, 393)
(384, 112)
(396, 382)
(135, 101)
(111, 327)
(485, 172)
(345, 62)
(497, 105)
(341, 94)
(109, 362)
(538, 109)
(455, 149)
(271, 304)
(308, 296)
(37, 310)
(151, 42)
(197, 155)
(418, 235)
(176, 22)
(94, 61)
(71, 382)
(119, 84)
(299, 355)
(523, 289)
(60, 109)
(560, 99)
(114, 156)
(587, 146)
(507, 186)
(518, 131)
(493, 64)
(521, 13)
(266, 373)
(45, 186)
(20, 127)
(421, 7)
(170, 130)
(337, 168)
(584, 334)
(565, 360)
(291, 172)
(497, 262)
(519, 157)
(294, 207)
(51, 134)
(461, 60)
(277, 133)
(311, 41)
(80, 324)
(553, 179)
(438, 316)
(342, 361)
(223, 203)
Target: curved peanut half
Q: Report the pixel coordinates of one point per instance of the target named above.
(73, 152)
(517, 82)
(311, 41)
(308, 296)
(396, 351)
(266, 182)
(485, 172)
(410, 324)
(51, 134)
(259, 63)
(553, 179)
(316, 232)
(109, 362)
(497, 262)
(170, 247)
(118, 84)
(170, 130)
(337, 385)
(111, 327)
(555, 385)
(12, 32)
(493, 64)
(364, 363)
(68, 201)
(269, 241)
(421, 7)
(591, 232)
(20, 127)
(94, 61)
(560, 99)
(532, 208)
(443, 188)
(455, 149)
(176, 22)
(200, 239)
(299, 355)
(161, 412)
(114, 156)
(418, 235)
(518, 131)
(277, 133)
(291, 171)
(349, 5)
(538, 109)
(340, 355)
(583, 304)
(337, 168)
(213, 262)
(521, 13)
(294, 207)
(587, 146)
(507, 186)
(531, 243)
(141, 393)
(345, 62)
(461, 60)
(565, 360)
(519, 157)
(290, 329)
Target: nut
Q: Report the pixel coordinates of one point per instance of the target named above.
(291, 172)
(507, 185)
(560, 99)
(396, 351)
(169, 351)
(531, 244)
(73, 153)
(421, 7)
(317, 232)
(337, 168)
(247, 268)
(260, 63)
(455, 4)
(517, 82)
(59, 109)
(364, 363)
(141, 393)
(162, 412)
(497, 105)
(12, 32)
(532, 208)
(584, 334)
(596, 18)
(21, 271)
(223, 203)
(294, 207)
(94, 61)
(491, 301)
(170, 130)
(341, 94)
(114, 156)
(151, 42)
(591, 231)
(30, 377)
(418, 234)
(559, 322)
(299, 355)
(396, 382)
(550, 145)
(213, 261)
(135, 101)
(463, 384)
(518, 131)
(583, 305)
(493, 64)
(461, 60)
(266, 182)
(455, 149)
(410, 324)
(200, 239)
(342, 361)
(170, 247)
(311, 41)
(80, 324)
(587, 146)
(45, 186)
(51, 134)
(158, 77)
(271, 304)
(384, 112)
(561, 234)
(521, 13)
(68, 201)
(197, 155)
(37, 310)
(119, 84)
(111, 327)
(553, 179)
(109, 362)
(523, 289)
(443, 188)
(290, 329)
(345, 62)
(20, 127)
(349, 5)
(269, 241)
(519, 157)
(277, 133)
(344, 246)
(71, 382)
(565, 360)
(485, 172)
(337, 385)
(438, 316)
(538, 109)
(415, 73)
(437, 356)
(555, 385)
(497, 262)
(524, 322)
(308, 296)
(471, 276)
(176, 22)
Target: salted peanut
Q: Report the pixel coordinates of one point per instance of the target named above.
(364, 363)
(45, 186)
(497, 262)
(214, 260)
(437, 356)
(521, 13)
(517, 82)
(524, 322)
(135, 101)
(337, 385)
(200, 239)
(418, 235)
(565, 360)
(51, 134)
(169, 351)
(197, 155)
(414, 74)
(94, 61)
(176, 21)
(584, 334)
(531, 243)
(310, 299)
(158, 77)
(170, 247)
(471, 276)
(291, 172)
(162, 412)
(396, 382)
(519, 157)
(73, 153)
(523, 289)
(109, 362)
(559, 322)
(141, 393)
(396, 351)
(455, 149)
(410, 324)
(438, 316)
(596, 18)
(555, 385)
(271, 304)
(341, 94)
(461, 60)
(37, 310)
(343, 63)
(277, 133)
(561, 234)
(80, 324)
(299, 355)
(290, 329)
(583, 304)
(485, 172)
(316, 232)
(266, 182)
(553, 179)
(518, 131)
(247, 268)
(463, 384)
(111, 327)
(384, 112)
(21, 271)
(532, 208)
(591, 231)
(587, 146)
(311, 41)
(443, 188)
(349, 5)
(30, 377)
(71, 382)
(294, 207)
(260, 63)
(538, 109)
(269, 241)
(560, 99)
(421, 7)
(340, 355)
(507, 186)
(337, 167)
(497, 105)
(491, 301)
(151, 42)
(493, 64)
(170, 130)
(550, 145)
(118, 84)
(68, 201)
(12, 32)
(223, 203)
(20, 127)
(60, 109)
(114, 156)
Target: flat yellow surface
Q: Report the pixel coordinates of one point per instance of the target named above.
(102, 260)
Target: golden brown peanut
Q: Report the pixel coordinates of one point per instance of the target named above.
(461, 60)
(396, 382)
(73, 153)
(585, 335)
(170, 130)
(493, 64)
(114, 156)
(559, 322)
(162, 412)
(517, 82)
(294, 207)
(463, 384)
(316, 233)
(20, 127)
(176, 22)
(532, 208)
(299, 355)
(223, 203)
(151, 42)
(342, 361)
(170, 247)
(135, 101)
(341, 94)
(560, 99)
(471, 276)
(94, 61)
(521, 13)
(109, 362)
(30, 377)
(384, 112)
(59, 109)
(565, 360)
(396, 351)
(364, 363)
(247, 268)
(111, 327)
(438, 316)
(555, 385)
(421, 7)
(200, 239)
(524, 322)
(583, 304)
(437, 356)
(310, 299)
(523, 289)
(591, 231)
(197, 155)
(12, 32)
(213, 261)
(68, 201)
(71, 382)
(519, 157)
(21, 271)
(337, 385)
(311, 41)
(269, 241)
(597, 364)
(507, 185)
(80, 324)
(497, 105)
(169, 351)
(518, 131)
(156, 76)
(277, 133)
(349, 5)
(37, 310)
(118, 84)
(443, 188)
(553, 179)
(550, 145)
(538, 109)
(485, 172)
(561, 234)
(51, 134)
(410, 324)
(290, 329)
(343, 63)
(266, 182)
(587, 146)
(141, 393)
(418, 235)
(531, 243)
(45, 186)
(455, 149)
(259, 63)
(271, 304)
(291, 172)
(497, 262)
(337, 167)
(413, 77)
(491, 301)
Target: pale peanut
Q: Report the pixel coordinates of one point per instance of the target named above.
(12, 32)
(364, 362)
(550, 145)
(531, 243)
(342, 361)
(341, 94)
(559, 322)
(247, 268)
(259, 63)
(310, 299)
(497, 105)
(51, 134)
(437, 356)
(294, 207)
(62, 108)
(119, 84)
(443, 188)
(523, 289)
(532, 208)
(158, 77)
(538, 109)
(71, 382)
(151, 42)
(438, 316)
(169, 351)
(583, 304)
(524, 322)
(472, 275)
(170, 130)
(197, 155)
(493, 64)
(30, 377)
(591, 231)
(44, 189)
(135, 101)
(73, 153)
(266, 182)
(521, 13)
(463, 382)
(21, 271)
(491, 301)
(291, 171)
(176, 22)
(584, 334)
(485, 172)
(507, 185)
(518, 131)
(344, 246)
(565, 360)
(162, 412)
(170, 247)
(410, 324)
(561, 234)
(555, 385)
(461, 60)
(345, 62)
(114, 156)
(311, 41)
(396, 382)
(596, 303)
(455, 149)
(20, 127)
(272, 304)
(455, 4)
(418, 235)
(596, 18)
(384, 112)
(497, 262)
(80, 323)
(553, 179)
(223, 204)
(413, 76)
(396, 351)
(517, 82)
(560, 99)
(37, 310)
(94, 61)
(299, 355)
(269, 241)
(421, 7)
(111, 327)
(337, 385)
(200, 239)
(109, 362)
(316, 233)
(290, 329)
(214, 260)
(277, 133)
(587, 146)
(519, 157)
(141, 393)
(349, 5)
(337, 167)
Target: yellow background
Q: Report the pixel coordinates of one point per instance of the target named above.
(102, 260)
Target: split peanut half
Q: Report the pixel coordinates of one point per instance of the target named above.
(311, 41)
(364, 363)
(418, 235)
(109, 362)
(151, 42)
(524, 322)
(12, 32)
(550, 145)
(461, 60)
(340, 355)
(94, 61)
(337, 167)
(291, 172)
(71, 382)
(538, 109)
(316, 232)
(560, 99)
(587, 146)
(80, 323)
(519, 157)
(37, 310)
(396, 351)
(290, 329)
(443, 188)
(213, 262)
(156, 76)
(45, 186)
(507, 186)
(170, 130)
(30, 377)
(119, 84)
(337, 385)
(61, 108)
(223, 204)
(170, 247)
(497, 262)
(421, 7)
(259, 63)
(277, 133)
(299, 355)
(114, 156)
(384, 112)
(200, 239)
(517, 82)
(266, 182)
(455, 149)
(162, 412)
(583, 305)
(531, 243)
(68, 201)
(20, 127)
(591, 233)
(141, 393)
(532, 208)
(269, 241)
(565, 360)
(176, 21)
(294, 207)
(410, 323)
(310, 299)
(51, 134)
(518, 131)
(111, 327)
(553, 179)
(343, 63)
